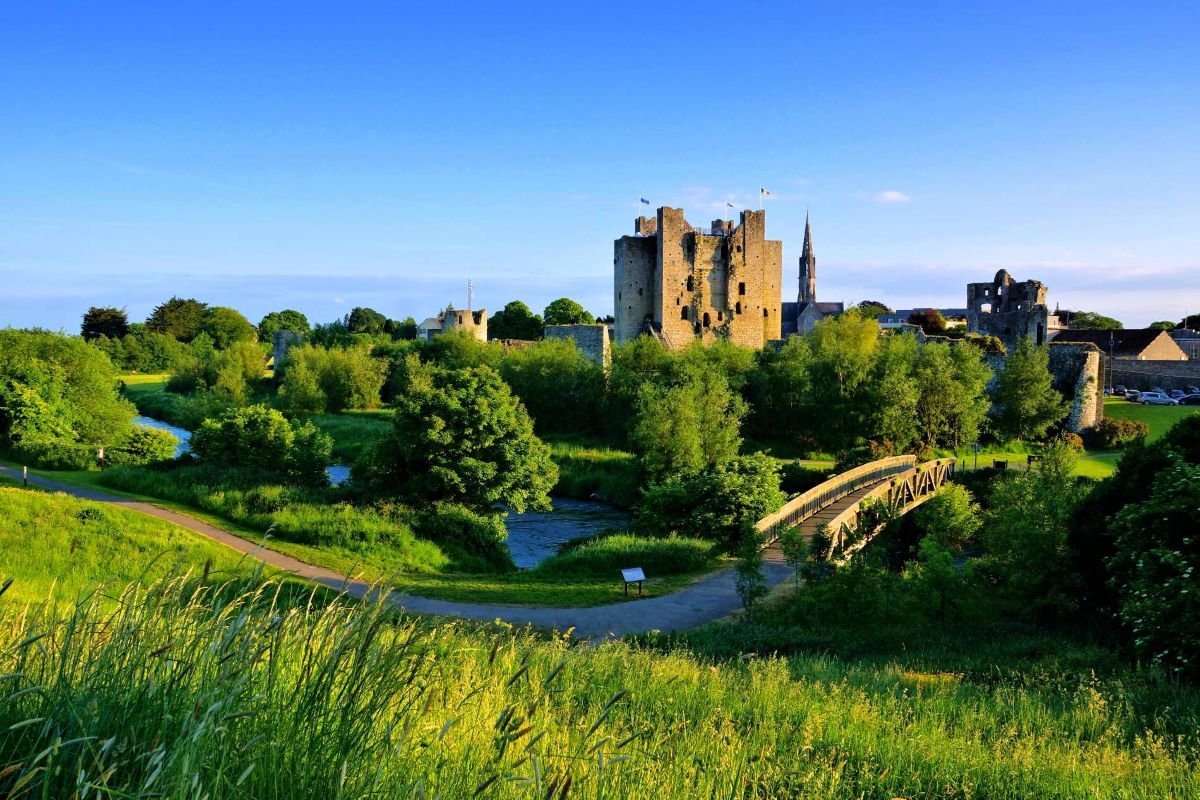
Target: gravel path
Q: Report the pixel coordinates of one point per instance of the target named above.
(706, 600)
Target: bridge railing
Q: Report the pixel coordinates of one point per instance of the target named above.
(805, 505)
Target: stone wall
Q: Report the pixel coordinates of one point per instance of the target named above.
(473, 322)
(591, 340)
(1077, 374)
(1144, 374)
(282, 342)
(633, 284)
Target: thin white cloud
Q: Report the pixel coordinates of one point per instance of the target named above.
(890, 196)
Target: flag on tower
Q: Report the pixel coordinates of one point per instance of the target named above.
(729, 205)
(764, 192)
(645, 202)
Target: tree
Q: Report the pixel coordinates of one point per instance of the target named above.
(1192, 322)
(1155, 567)
(930, 320)
(1026, 403)
(794, 548)
(750, 582)
(365, 320)
(680, 429)
(262, 439)
(892, 416)
(1090, 321)
(843, 355)
(565, 311)
(561, 388)
(1026, 530)
(515, 321)
(405, 329)
(107, 321)
(1162, 325)
(318, 379)
(460, 436)
(286, 320)
(873, 308)
(953, 402)
(950, 517)
(225, 326)
(179, 318)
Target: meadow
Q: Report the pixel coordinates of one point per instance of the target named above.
(179, 690)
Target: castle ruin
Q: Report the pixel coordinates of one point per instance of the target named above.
(681, 283)
(1010, 310)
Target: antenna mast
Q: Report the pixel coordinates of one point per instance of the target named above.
(470, 292)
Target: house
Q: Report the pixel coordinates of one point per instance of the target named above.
(1142, 344)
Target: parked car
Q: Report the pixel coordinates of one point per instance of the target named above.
(1176, 393)
(1157, 399)
(1193, 390)
(1158, 389)
(1119, 391)
(1132, 395)
(1190, 400)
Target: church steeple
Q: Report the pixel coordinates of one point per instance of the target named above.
(808, 267)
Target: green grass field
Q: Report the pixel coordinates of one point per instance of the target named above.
(1159, 418)
(353, 431)
(52, 544)
(183, 694)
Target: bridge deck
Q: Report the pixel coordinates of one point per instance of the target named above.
(808, 527)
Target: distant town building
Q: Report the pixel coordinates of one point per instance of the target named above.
(1188, 341)
(1139, 344)
(680, 283)
(955, 317)
(803, 315)
(473, 322)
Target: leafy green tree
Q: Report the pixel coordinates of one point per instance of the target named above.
(561, 388)
(935, 576)
(953, 402)
(565, 311)
(680, 429)
(1026, 403)
(58, 390)
(951, 517)
(107, 321)
(226, 326)
(405, 329)
(873, 308)
(1162, 325)
(144, 446)
(1156, 570)
(515, 321)
(780, 393)
(750, 582)
(1025, 533)
(636, 363)
(365, 320)
(794, 548)
(843, 355)
(180, 318)
(260, 438)
(460, 436)
(1090, 320)
(300, 390)
(318, 379)
(892, 415)
(286, 320)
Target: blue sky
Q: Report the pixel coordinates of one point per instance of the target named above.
(272, 155)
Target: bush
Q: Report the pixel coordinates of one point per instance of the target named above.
(1073, 442)
(57, 454)
(144, 446)
(795, 478)
(1114, 434)
(479, 535)
(262, 438)
(605, 556)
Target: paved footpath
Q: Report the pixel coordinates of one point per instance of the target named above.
(706, 600)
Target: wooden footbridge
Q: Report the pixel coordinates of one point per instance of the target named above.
(894, 485)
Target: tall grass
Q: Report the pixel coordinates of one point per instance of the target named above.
(353, 431)
(186, 692)
(589, 471)
(604, 556)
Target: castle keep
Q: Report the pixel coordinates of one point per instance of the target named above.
(682, 283)
(1009, 310)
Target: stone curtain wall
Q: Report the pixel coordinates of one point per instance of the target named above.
(591, 340)
(1077, 374)
(1144, 374)
(284, 341)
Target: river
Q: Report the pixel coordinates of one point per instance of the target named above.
(532, 537)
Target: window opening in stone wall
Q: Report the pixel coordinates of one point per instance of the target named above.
(707, 319)
(618, 295)
(639, 291)
(742, 289)
(683, 313)
(696, 328)
(1041, 335)
(764, 313)
(737, 309)
(720, 316)
(691, 284)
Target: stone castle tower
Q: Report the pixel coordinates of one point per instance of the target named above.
(681, 283)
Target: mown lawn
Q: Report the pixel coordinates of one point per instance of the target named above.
(1159, 418)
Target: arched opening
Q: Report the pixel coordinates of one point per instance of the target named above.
(737, 309)
(683, 313)
(707, 319)
(691, 284)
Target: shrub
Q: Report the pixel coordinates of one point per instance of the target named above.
(1113, 434)
(262, 438)
(144, 446)
(1073, 442)
(480, 535)
(57, 454)
(795, 478)
(604, 556)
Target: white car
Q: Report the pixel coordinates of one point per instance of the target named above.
(1156, 399)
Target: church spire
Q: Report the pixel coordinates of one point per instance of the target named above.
(808, 267)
